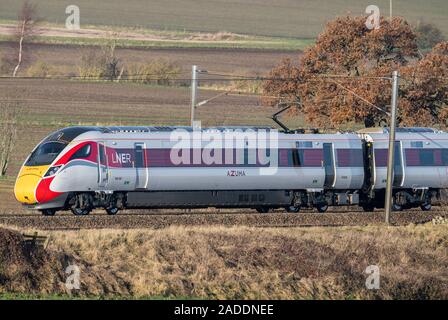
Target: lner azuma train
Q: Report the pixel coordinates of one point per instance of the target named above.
(83, 168)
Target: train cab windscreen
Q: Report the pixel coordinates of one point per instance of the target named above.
(52, 146)
(45, 154)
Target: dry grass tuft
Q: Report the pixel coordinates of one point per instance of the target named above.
(28, 268)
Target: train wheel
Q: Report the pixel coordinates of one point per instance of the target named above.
(322, 208)
(426, 207)
(81, 204)
(80, 212)
(262, 209)
(292, 209)
(112, 211)
(48, 212)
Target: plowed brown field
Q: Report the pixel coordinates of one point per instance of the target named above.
(253, 61)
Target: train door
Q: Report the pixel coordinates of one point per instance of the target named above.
(398, 165)
(103, 170)
(328, 163)
(141, 168)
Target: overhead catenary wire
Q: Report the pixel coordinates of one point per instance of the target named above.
(328, 75)
(222, 77)
(418, 77)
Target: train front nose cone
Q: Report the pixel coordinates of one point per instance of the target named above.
(25, 188)
(26, 183)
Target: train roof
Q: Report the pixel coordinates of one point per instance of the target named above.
(68, 134)
(136, 129)
(399, 130)
(139, 129)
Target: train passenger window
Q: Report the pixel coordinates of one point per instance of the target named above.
(427, 157)
(444, 157)
(289, 158)
(283, 157)
(381, 156)
(82, 153)
(350, 158)
(309, 157)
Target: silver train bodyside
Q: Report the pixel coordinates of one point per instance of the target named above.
(133, 168)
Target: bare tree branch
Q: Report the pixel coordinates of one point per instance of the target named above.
(9, 114)
(26, 23)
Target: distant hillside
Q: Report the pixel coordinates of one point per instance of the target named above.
(282, 18)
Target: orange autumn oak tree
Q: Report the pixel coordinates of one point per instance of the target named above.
(424, 90)
(347, 48)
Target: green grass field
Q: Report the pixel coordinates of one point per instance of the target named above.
(283, 18)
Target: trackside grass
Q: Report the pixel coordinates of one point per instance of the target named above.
(216, 262)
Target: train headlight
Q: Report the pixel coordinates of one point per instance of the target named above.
(52, 171)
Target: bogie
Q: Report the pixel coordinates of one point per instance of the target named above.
(81, 204)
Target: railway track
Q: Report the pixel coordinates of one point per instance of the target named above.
(158, 220)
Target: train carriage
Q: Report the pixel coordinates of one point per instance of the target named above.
(420, 164)
(82, 168)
